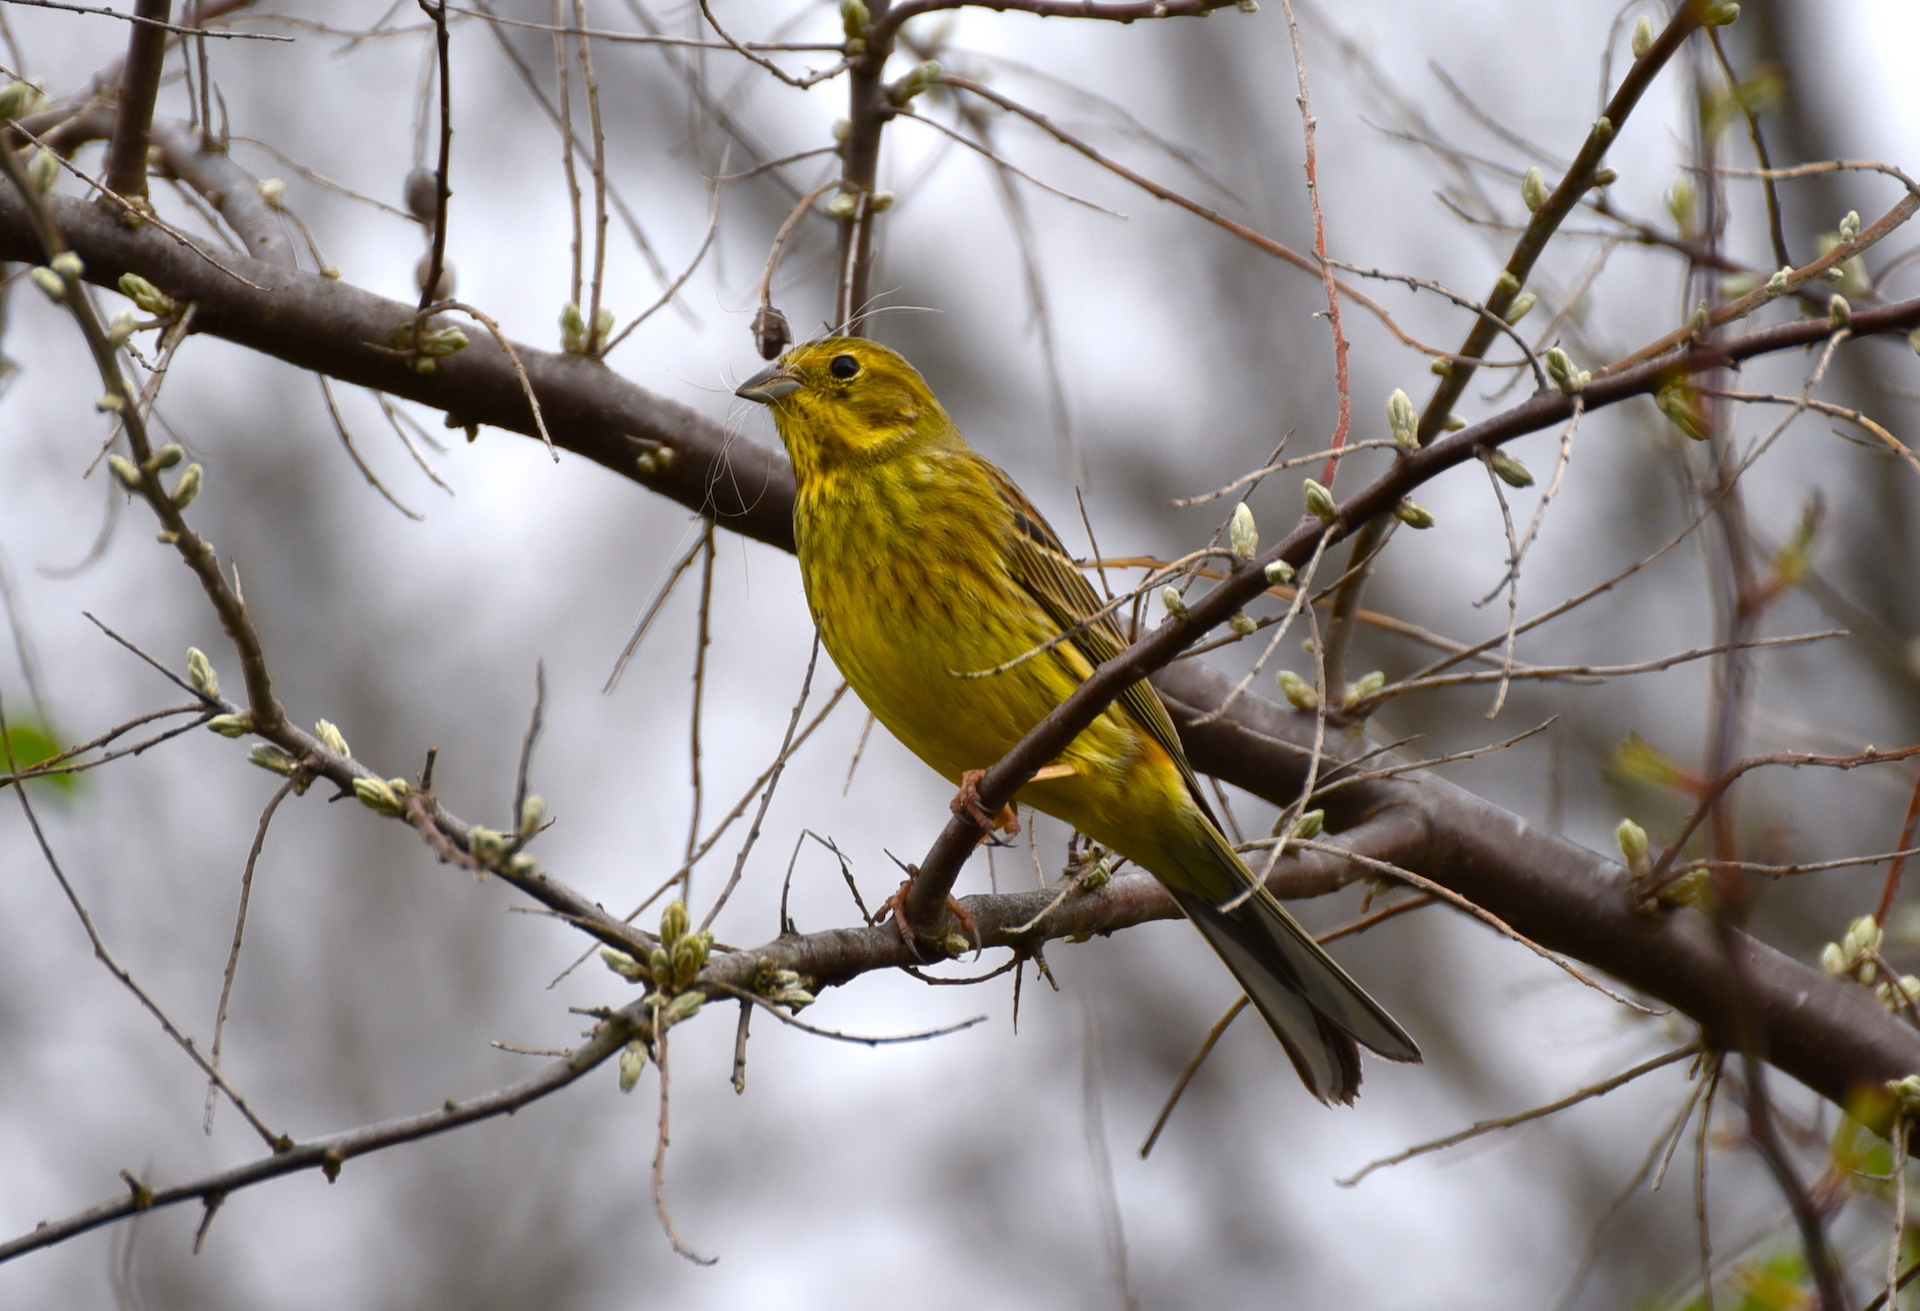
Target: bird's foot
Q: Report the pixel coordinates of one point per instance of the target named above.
(967, 803)
(897, 903)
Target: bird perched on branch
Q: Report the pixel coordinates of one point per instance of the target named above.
(943, 597)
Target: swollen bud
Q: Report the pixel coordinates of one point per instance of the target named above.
(1509, 470)
(331, 738)
(1850, 226)
(1682, 407)
(1309, 825)
(633, 1063)
(1297, 690)
(1719, 15)
(1533, 190)
(48, 281)
(1170, 598)
(1280, 573)
(1839, 313)
(1244, 535)
(1366, 687)
(1244, 624)
(377, 794)
(147, 296)
(673, 923)
(1402, 422)
(1570, 380)
(43, 171)
(573, 329)
(618, 961)
(186, 487)
(1319, 501)
(200, 673)
(1633, 843)
(126, 471)
(68, 265)
(1520, 307)
(271, 757)
(533, 813)
(232, 725)
(1642, 37)
(1414, 516)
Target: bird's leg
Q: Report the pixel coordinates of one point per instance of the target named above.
(968, 803)
(897, 903)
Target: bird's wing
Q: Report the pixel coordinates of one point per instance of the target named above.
(1041, 565)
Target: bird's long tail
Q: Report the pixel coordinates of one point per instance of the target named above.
(1313, 1007)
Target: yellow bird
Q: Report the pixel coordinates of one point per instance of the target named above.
(924, 565)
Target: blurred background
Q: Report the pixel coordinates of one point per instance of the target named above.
(967, 1171)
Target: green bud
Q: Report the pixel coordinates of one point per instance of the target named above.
(68, 265)
(121, 330)
(147, 296)
(1633, 843)
(843, 205)
(331, 738)
(673, 922)
(1533, 190)
(1850, 226)
(660, 964)
(854, 19)
(842, 129)
(483, 844)
(1606, 177)
(633, 1063)
(1520, 307)
(1365, 688)
(273, 190)
(1509, 470)
(1243, 624)
(1243, 534)
(882, 202)
(17, 98)
(622, 964)
(523, 865)
(43, 170)
(1402, 422)
(1603, 128)
(48, 281)
(689, 954)
(1777, 284)
(1414, 516)
(442, 342)
(1280, 573)
(1297, 690)
(1681, 198)
(1309, 825)
(918, 79)
(533, 813)
(1566, 377)
(1505, 285)
(201, 674)
(167, 456)
(1905, 1091)
(1170, 597)
(126, 471)
(1839, 313)
(1454, 423)
(271, 756)
(1682, 407)
(684, 1006)
(377, 794)
(1720, 15)
(573, 329)
(109, 403)
(1642, 37)
(1319, 501)
(232, 725)
(1442, 367)
(186, 487)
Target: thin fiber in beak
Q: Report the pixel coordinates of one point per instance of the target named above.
(768, 385)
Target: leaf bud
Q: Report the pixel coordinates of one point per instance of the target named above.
(921, 76)
(1402, 422)
(1508, 469)
(1520, 307)
(1833, 960)
(523, 865)
(201, 674)
(1777, 284)
(1366, 687)
(272, 757)
(1454, 423)
(660, 964)
(1170, 598)
(1566, 377)
(1280, 573)
(853, 19)
(1309, 825)
(573, 329)
(48, 281)
(147, 296)
(186, 487)
(68, 265)
(120, 331)
(43, 171)
(377, 794)
(1505, 285)
(689, 954)
(483, 844)
(1721, 14)
(1414, 516)
(1603, 128)
(109, 403)
(1442, 367)
(1297, 690)
(1850, 226)
(232, 725)
(273, 190)
(1533, 189)
(533, 813)
(843, 205)
(1682, 407)
(882, 202)
(842, 129)
(1839, 313)
(1681, 198)
(17, 98)
(633, 1063)
(673, 922)
(1319, 501)
(1244, 624)
(1243, 534)
(1606, 177)
(684, 1006)
(1249, 6)
(1642, 37)
(331, 738)
(166, 457)
(1633, 843)
(442, 342)
(622, 964)
(126, 471)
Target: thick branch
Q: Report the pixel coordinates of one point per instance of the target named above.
(139, 84)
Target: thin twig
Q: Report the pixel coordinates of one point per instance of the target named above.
(239, 932)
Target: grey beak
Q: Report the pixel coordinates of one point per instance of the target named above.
(768, 385)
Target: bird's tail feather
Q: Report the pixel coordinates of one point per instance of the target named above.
(1311, 1004)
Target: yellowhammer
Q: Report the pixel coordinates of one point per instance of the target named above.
(924, 563)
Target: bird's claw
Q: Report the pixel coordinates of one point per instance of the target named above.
(967, 802)
(897, 903)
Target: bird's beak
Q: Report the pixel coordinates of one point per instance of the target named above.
(768, 385)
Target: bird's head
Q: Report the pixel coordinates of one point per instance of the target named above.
(841, 401)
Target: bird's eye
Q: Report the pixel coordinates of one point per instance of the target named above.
(843, 367)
